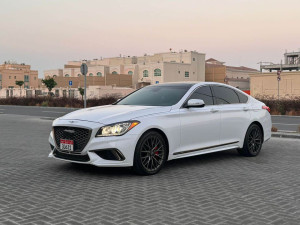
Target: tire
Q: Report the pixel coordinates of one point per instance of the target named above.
(150, 153)
(253, 141)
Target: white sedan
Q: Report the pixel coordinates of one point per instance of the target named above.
(162, 122)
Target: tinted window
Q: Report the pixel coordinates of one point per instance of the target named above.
(243, 98)
(203, 93)
(224, 95)
(157, 95)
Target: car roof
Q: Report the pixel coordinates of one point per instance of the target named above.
(188, 83)
(176, 84)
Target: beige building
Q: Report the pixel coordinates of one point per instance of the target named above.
(92, 92)
(266, 85)
(118, 80)
(144, 70)
(12, 72)
(216, 71)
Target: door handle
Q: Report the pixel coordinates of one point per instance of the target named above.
(214, 110)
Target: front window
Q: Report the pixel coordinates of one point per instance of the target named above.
(203, 93)
(158, 95)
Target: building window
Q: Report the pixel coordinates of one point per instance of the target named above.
(54, 76)
(15, 77)
(193, 59)
(11, 87)
(34, 78)
(67, 75)
(114, 72)
(179, 71)
(26, 78)
(90, 74)
(26, 87)
(186, 74)
(157, 72)
(78, 75)
(99, 74)
(130, 72)
(0, 77)
(9, 77)
(145, 73)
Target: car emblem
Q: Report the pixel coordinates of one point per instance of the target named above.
(69, 131)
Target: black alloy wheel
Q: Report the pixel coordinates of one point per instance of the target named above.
(253, 141)
(150, 153)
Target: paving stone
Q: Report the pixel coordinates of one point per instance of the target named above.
(219, 188)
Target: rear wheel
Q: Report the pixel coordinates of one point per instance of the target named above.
(150, 153)
(253, 141)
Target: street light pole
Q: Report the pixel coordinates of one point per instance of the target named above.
(85, 91)
(84, 70)
(278, 77)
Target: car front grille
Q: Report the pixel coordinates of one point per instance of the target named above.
(80, 136)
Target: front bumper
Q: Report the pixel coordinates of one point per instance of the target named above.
(125, 145)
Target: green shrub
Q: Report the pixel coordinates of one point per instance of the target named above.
(59, 102)
(45, 103)
(288, 106)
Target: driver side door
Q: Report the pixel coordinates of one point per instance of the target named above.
(200, 127)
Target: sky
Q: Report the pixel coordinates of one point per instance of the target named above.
(48, 33)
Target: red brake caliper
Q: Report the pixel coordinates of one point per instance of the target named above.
(156, 153)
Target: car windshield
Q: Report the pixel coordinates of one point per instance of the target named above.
(157, 95)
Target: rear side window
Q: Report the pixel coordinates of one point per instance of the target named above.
(224, 95)
(243, 98)
(203, 93)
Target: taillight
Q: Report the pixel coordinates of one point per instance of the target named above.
(266, 108)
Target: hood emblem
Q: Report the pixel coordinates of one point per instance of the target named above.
(69, 131)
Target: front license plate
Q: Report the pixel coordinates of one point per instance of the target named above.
(67, 145)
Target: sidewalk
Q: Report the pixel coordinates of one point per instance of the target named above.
(286, 135)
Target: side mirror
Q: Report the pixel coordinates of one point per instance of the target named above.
(195, 103)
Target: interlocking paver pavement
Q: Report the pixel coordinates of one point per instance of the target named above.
(220, 188)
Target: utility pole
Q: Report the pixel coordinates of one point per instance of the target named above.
(279, 77)
(84, 71)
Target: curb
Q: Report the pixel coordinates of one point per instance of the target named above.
(286, 135)
(48, 118)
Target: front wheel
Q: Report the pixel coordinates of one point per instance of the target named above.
(150, 154)
(253, 141)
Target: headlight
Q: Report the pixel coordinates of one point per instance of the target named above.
(116, 129)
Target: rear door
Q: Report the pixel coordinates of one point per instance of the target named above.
(235, 114)
(200, 127)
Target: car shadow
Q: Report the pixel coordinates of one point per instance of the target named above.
(200, 160)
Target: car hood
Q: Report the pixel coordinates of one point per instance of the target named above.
(114, 113)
